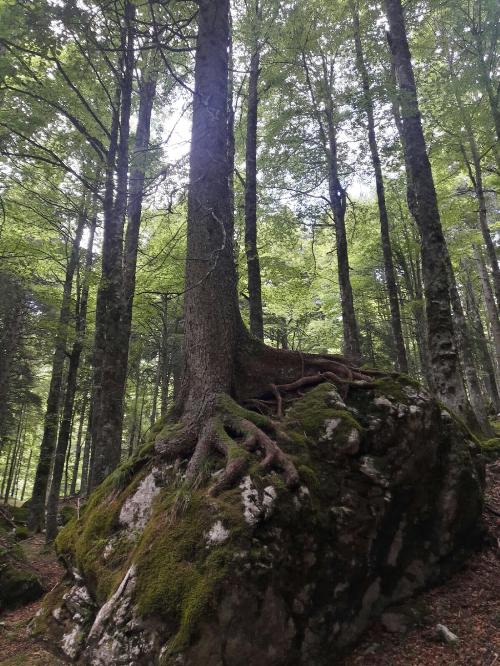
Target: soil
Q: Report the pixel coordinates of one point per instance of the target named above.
(16, 647)
(468, 605)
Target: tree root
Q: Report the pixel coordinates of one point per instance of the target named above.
(231, 431)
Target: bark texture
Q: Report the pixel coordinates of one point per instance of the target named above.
(390, 274)
(442, 351)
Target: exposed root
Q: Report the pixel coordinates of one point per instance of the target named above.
(236, 433)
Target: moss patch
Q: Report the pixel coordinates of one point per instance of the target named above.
(177, 574)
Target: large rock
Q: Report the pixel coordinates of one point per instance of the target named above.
(390, 502)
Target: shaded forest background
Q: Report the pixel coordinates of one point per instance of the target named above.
(95, 104)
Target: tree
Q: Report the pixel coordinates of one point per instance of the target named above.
(447, 380)
(222, 361)
(390, 276)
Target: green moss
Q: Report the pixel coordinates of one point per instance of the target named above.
(308, 415)
(228, 406)
(67, 513)
(393, 387)
(19, 584)
(82, 541)
(21, 532)
(491, 447)
(177, 575)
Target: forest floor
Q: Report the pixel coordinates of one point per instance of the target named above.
(468, 604)
(16, 647)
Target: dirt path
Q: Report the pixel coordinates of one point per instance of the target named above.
(468, 604)
(16, 648)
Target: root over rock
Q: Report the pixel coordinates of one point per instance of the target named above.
(278, 539)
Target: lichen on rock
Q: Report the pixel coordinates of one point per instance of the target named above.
(389, 501)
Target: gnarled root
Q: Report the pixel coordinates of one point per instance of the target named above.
(233, 432)
(228, 429)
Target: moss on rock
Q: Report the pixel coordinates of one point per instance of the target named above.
(264, 574)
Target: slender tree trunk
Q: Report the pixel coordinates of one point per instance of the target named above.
(338, 204)
(84, 483)
(489, 301)
(15, 454)
(69, 399)
(37, 504)
(26, 474)
(467, 357)
(251, 248)
(474, 316)
(108, 394)
(443, 354)
(156, 390)
(6, 469)
(133, 425)
(78, 449)
(390, 275)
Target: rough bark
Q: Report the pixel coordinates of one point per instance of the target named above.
(442, 350)
(211, 316)
(390, 275)
(251, 248)
(51, 419)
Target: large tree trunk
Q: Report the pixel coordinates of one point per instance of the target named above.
(69, 398)
(251, 249)
(222, 361)
(51, 420)
(390, 276)
(211, 316)
(447, 380)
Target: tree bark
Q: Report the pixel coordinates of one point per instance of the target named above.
(211, 316)
(108, 392)
(447, 380)
(390, 275)
(251, 248)
(71, 387)
(51, 420)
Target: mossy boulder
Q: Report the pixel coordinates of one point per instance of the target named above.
(19, 583)
(389, 503)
